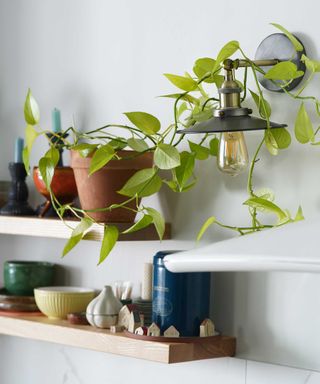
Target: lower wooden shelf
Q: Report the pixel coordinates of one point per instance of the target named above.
(82, 336)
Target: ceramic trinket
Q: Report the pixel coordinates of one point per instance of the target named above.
(102, 312)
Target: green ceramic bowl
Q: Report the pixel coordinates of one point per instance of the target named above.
(21, 277)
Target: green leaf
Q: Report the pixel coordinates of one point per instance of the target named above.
(110, 237)
(182, 108)
(188, 98)
(270, 143)
(211, 220)
(54, 155)
(77, 234)
(147, 123)
(297, 45)
(30, 134)
(138, 145)
(204, 66)
(85, 149)
(185, 170)
(31, 110)
(143, 183)
(118, 143)
(214, 146)
(203, 115)
(182, 82)
(100, 158)
(46, 168)
(158, 221)
(265, 193)
(226, 51)
(282, 137)
(166, 156)
(299, 215)
(201, 152)
(285, 70)
(303, 128)
(145, 221)
(264, 205)
(312, 65)
(264, 111)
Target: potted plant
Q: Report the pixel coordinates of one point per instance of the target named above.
(93, 151)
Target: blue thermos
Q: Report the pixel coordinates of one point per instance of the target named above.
(179, 299)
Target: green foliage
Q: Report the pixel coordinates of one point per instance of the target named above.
(204, 67)
(303, 128)
(262, 104)
(147, 123)
(85, 149)
(77, 234)
(144, 222)
(31, 110)
(211, 220)
(184, 171)
(312, 65)
(297, 45)
(138, 145)
(101, 157)
(265, 205)
(226, 51)
(182, 82)
(214, 146)
(157, 220)
(285, 70)
(166, 156)
(201, 152)
(30, 135)
(110, 237)
(143, 183)
(46, 168)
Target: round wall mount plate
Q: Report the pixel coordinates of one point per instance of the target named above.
(278, 46)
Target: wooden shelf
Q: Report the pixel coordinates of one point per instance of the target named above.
(34, 226)
(83, 336)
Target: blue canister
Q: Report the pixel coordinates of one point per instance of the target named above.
(179, 299)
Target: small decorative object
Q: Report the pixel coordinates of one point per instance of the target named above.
(103, 311)
(179, 299)
(145, 307)
(122, 291)
(21, 277)
(124, 315)
(17, 204)
(207, 328)
(58, 302)
(171, 332)
(78, 318)
(134, 321)
(146, 289)
(153, 330)
(141, 331)
(116, 328)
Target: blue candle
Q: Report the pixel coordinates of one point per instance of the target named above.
(56, 120)
(18, 150)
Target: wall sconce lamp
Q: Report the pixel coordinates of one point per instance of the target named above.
(231, 119)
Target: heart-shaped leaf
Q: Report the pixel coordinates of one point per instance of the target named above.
(303, 128)
(110, 237)
(166, 156)
(185, 83)
(146, 122)
(143, 183)
(77, 234)
(100, 158)
(31, 110)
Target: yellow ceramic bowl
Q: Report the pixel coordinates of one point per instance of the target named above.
(57, 302)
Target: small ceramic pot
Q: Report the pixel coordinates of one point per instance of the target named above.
(21, 277)
(103, 311)
(63, 186)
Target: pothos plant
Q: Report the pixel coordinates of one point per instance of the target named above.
(194, 102)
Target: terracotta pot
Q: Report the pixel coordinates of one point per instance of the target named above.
(63, 186)
(100, 189)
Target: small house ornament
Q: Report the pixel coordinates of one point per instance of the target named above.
(141, 331)
(171, 332)
(124, 315)
(153, 330)
(134, 321)
(207, 328)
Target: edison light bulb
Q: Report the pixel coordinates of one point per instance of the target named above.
(233, 154)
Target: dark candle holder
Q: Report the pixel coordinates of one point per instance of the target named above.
(18, 194)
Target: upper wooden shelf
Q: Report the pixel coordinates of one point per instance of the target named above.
(34, 226)
(83, 336)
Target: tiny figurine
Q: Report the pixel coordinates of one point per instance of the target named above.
(153, 330)
(124, 315)
(134, 321)
(207, 328)
(141, 331)
(171, 332)
(116, 328)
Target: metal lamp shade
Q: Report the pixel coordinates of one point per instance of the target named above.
(230, 124)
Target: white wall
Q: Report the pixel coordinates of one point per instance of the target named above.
(96, 59)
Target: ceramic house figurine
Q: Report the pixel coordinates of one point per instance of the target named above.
(206, 328)
(171, 332)
(141, 331)
(124, 315)
(134, 321)
(153, 330)
(102, 312)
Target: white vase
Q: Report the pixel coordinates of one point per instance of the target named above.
(102, 312)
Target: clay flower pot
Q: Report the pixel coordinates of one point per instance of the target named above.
(63, 186)
(100, 189)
